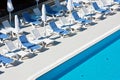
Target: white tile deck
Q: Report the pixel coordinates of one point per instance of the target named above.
(55, 55)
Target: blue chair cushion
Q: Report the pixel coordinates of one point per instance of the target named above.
(35, 47)
(5, 60)
(3, 36)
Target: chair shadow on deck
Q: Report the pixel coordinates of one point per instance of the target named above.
(42, 50)
(1, 44)
(56, 43)
(1, 72)
(16, 63)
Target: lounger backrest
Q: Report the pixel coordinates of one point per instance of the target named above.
(75, 4)
(27, 17)
(66, 0)
(37, 11)
(57, 2)
(109, 2)
(10, 45)
(1, 55)
(49, 9)
(53, 25)
(5, 60)
(86, 1)
(36, 33)
(6, 24)
(63, 20)
(115, 0)
(85, 10)
(95, 5)
(75, 15)
(82, 13)
(104, 2)
(23, 39)
(3, 36)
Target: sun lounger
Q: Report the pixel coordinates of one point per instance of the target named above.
(117, 1)
(38, 14)
(3, 37)
(87, 14)
(78, 19)
(5, 60)
(26, 44)
(100, 10)
(28, 19)
(51, 12)
(65, 22)
(77, 4)
(39, 39)
(8, 28)
(15, 52)
(55, 29)
(67, 25)
(59, 7)
(106, 4)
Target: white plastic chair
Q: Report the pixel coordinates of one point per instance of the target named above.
(38, 13)
(13, 51)
(8, 28)
(39, 39)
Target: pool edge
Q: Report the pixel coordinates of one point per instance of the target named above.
(72, 54)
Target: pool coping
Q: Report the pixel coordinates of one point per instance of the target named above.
(72, 54)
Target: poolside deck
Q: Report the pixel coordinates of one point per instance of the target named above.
(67, 48)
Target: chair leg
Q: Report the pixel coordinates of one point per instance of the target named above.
(1, 41)
(84, 26)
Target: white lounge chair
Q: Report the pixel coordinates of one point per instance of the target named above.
(88, 14)
(38, 13)
(14, 52)
(7, 27)
(65, 22)
(39, 39)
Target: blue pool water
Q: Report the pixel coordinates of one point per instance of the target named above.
(99, 62)
(104, 65)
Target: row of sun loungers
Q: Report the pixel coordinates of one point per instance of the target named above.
(27, 47)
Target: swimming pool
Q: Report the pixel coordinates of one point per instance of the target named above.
(99, 62)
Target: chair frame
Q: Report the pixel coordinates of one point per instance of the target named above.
(15, 51)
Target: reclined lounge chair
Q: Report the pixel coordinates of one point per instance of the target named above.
(37, 14)
(3, 37)
(80, 20)
(26, 44)
(51, 12)
(55, 29)
(39, 39)
(28, 19)
(100, 10)
(14, 52)
(5, 60)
